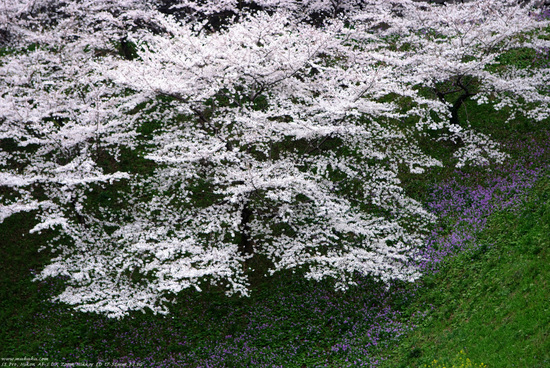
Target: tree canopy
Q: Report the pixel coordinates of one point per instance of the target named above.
(166, 144)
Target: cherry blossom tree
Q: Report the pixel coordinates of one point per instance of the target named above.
(271, 143)
(451, 54)
(58, 115)
(59, 119)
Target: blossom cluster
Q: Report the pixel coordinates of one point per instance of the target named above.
(165, 155)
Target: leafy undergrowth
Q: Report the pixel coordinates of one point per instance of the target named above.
(491, 301)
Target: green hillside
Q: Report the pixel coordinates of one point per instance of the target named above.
(493, 302)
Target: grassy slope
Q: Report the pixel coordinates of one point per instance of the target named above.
(492, 302)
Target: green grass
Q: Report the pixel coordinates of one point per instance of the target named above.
(492, 302)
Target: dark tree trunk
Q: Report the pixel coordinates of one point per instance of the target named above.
(467, 88)
(457, 105)
(246, 244)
